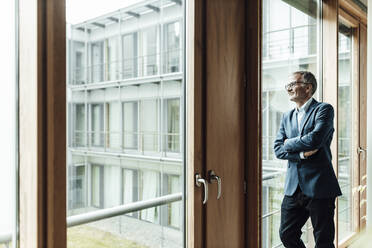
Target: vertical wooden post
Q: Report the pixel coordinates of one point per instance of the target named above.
(253, 158)
(195, 65)
(330, 73)
(42, 87)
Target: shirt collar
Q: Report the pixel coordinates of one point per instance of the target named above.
(305, 107)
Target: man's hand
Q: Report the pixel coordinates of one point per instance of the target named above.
(309, 153)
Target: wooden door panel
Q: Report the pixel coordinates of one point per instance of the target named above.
(225, 50)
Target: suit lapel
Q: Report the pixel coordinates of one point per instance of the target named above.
(307, 115)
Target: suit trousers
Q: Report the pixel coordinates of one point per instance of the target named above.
(296, 210)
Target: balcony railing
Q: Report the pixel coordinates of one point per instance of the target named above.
(288, 42)
(110, 212)
(141, 142)
(134, 67)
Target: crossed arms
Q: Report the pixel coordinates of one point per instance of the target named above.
(290, 148)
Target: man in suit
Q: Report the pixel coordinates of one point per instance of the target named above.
(311, 186)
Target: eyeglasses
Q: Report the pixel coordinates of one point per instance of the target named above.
(292, 84)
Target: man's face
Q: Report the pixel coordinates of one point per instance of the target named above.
(299, 91)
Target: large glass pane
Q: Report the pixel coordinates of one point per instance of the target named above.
(77, 60)
(149, 125)
(172, 125)
(96, 124)
(8, 126)
(172, 45)
(112, 64)
(290, 43)
(150, 51)
(130, 57)
(113, 130)
(126, 124)
(96, 61)
(78, 125)
(345, 127)
(76, 175)
(130, 125)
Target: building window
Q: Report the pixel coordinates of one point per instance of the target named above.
(96, 61)
(150, 184)
(130, 125)
(97, 186)
(76, 187)
(112, 65)
(292, 33)
(130, 56)
(113, 132)
(78, 136)
(174, 209)
(96, 125)
(289, 44)
(130, 191)
(172, 125)
(172, 47)
(149, 125)
(149, 59)
(78, 62)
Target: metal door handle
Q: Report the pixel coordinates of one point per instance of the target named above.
(213, 177)
(199, 181)
(361, 150)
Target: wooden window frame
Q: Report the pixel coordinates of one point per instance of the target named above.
(347, 19)
(359, 78)
(349, 13)
(42, 123)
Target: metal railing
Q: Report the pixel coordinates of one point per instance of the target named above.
(121, 210)
(287, 42)
(137, 66)
(135, 141)
(111, 212)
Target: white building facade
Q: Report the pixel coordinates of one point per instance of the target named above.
(125, 110)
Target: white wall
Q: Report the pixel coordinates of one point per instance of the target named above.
(7, 110)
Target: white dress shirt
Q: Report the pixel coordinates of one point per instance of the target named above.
(300, 114)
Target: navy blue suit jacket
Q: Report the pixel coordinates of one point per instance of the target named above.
(314, 175)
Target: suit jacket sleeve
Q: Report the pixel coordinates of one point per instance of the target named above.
(280, 153)
(315, 139)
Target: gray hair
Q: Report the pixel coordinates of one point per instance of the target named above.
(309, 78)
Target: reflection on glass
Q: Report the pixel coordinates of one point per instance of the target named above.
(290, 43)
(125, 111)
(345, 125)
